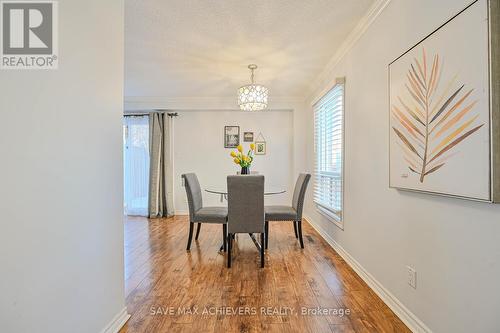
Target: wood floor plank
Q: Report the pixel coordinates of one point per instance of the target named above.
(169, 289)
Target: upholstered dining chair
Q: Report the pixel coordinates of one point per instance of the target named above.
(245, 202)
(290, 213)
(199, 214)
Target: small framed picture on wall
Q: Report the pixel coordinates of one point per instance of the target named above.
(231, 136)
(260, 148)
(248, 136)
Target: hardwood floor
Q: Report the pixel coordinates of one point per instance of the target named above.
(162, 278)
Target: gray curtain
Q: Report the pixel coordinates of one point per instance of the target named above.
(161, 170)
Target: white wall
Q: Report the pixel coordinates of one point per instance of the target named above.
(453, 244)
(61, 244)
(199, 148)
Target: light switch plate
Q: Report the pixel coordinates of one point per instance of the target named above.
(412, 277)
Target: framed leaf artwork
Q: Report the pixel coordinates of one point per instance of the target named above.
(442, 109)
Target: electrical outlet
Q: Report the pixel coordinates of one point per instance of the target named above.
(412, 277)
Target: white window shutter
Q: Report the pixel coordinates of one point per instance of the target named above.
(329, 151)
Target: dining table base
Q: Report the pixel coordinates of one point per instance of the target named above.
(254, 240)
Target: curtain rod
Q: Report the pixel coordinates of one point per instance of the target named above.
(170, 114)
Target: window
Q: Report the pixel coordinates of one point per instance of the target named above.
(329, 152)
(136, 164)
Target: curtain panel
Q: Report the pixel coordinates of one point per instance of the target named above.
(161, 166)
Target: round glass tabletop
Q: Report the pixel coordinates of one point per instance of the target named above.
(267, 191)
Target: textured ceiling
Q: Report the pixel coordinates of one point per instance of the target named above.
(201, 48)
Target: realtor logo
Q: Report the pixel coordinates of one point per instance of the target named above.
(29, 35)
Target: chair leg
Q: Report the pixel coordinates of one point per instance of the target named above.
(224, 237)
(300, 233)
(295, 229)
(190, 237)
(229, 246)
(266, 226)
(262, 237)
(198, 231)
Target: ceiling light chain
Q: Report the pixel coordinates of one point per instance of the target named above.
(252, 68)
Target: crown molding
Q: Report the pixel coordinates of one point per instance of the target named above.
(224, 103)
(324, 81)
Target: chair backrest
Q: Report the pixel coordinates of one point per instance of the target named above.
(245, 204)
(193, 192)
(299, 193)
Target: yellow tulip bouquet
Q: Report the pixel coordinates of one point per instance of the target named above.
(243, 160)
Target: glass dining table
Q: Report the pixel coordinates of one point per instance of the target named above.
(222, 191)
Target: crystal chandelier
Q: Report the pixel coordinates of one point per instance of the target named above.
(252, 97)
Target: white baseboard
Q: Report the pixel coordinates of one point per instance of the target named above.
(117, 322)
(181, 212)
(406, 316)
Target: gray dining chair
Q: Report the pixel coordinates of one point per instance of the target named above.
(290, 213)
(199, 214)
(245, 202)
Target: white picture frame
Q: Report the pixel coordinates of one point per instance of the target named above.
(441, 119)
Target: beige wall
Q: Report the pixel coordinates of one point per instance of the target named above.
(61, 239)
(199, 148)
(199, 145)
(453, 244)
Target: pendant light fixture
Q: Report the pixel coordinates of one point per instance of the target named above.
(252, 97)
